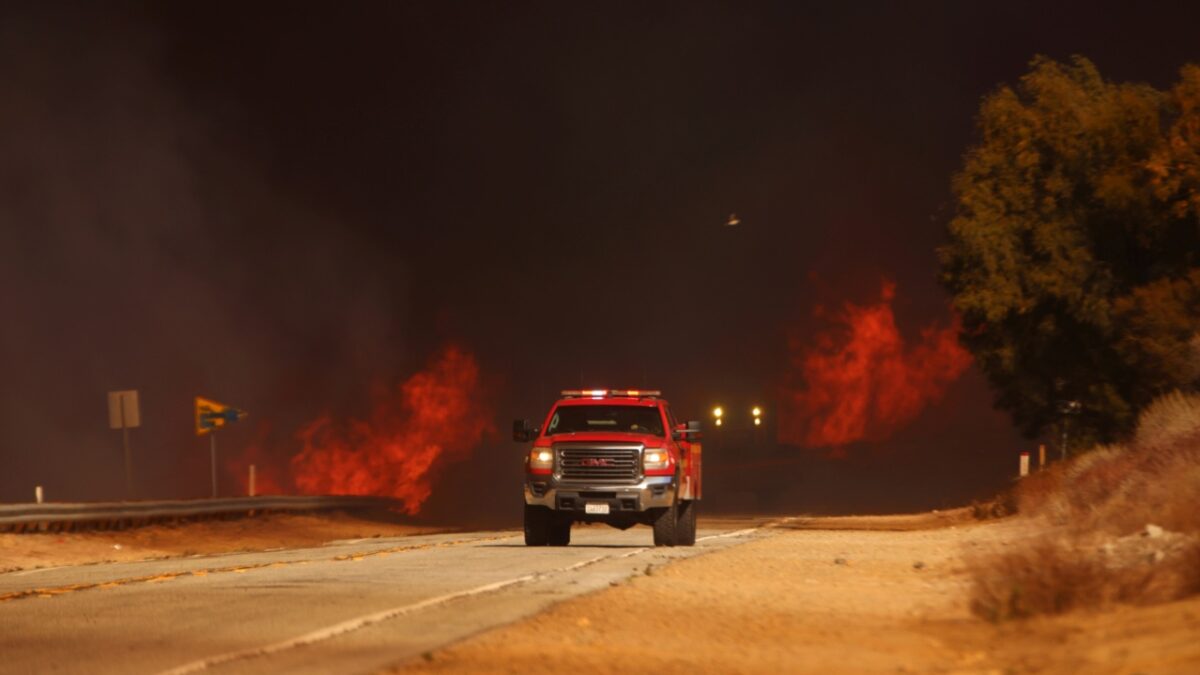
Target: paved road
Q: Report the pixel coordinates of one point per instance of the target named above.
(348, 607)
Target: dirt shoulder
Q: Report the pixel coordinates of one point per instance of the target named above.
(876, 598)
(260, 533)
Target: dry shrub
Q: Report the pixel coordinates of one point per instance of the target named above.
(1040, 577)
(1181, 511)
(1170, 420)
(1001, 506)
(1107, 492)
(1052, 576)
(1120, 489)
(1189, 571)
(1169, 497)
(1037, 490)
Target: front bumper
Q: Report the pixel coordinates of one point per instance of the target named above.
(651, 493)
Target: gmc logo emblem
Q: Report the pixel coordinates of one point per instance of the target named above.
(594, 461)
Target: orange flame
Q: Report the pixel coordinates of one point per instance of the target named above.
(433, 417)
(859, 381)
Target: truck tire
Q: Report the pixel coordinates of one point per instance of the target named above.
(665, 526)
(685, 529)
(537, 525)
(560, 531)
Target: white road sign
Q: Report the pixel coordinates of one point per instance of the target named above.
(123, 410)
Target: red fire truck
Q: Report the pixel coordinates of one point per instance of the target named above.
(614, 456)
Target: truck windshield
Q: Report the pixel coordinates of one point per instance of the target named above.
(629, 419)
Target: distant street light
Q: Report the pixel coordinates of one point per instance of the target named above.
(733, 221)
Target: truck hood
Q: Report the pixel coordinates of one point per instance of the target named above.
(648, 440)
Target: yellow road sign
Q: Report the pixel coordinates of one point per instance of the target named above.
(211, 415)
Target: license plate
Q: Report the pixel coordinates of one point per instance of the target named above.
(595, 508)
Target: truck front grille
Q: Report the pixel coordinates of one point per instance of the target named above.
(600, 465)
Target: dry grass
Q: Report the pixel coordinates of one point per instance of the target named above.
(1171, 420)
(1055, 575)
(1119, 489)
(1099, 502)
(1043, 577)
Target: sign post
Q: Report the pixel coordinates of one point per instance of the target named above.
(124, 414)
(211, 416)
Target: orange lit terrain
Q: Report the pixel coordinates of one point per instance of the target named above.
(272, 531)
(868, 594)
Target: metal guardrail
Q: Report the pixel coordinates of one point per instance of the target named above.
(21, 517)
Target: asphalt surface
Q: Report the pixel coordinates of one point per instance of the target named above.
(347, 607)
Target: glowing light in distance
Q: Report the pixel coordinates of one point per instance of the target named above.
(757, 421)
(757, 412)
(718, 412)
(718, 421)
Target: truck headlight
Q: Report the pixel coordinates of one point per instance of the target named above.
(656, 459)
(541, 459)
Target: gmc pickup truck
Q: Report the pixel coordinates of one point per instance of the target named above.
(611, 456)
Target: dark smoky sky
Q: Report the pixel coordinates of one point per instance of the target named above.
(278, 204)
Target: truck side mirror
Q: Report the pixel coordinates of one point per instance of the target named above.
(523, 432)
(687, 432)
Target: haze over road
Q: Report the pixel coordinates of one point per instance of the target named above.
(352, 606)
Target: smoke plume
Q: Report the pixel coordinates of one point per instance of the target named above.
(143, 250)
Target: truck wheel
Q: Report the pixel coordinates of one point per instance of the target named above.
(665, 526)
(685, 529)
(560, 531)
(537, 525)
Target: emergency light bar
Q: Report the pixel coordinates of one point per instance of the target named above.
(601, 393)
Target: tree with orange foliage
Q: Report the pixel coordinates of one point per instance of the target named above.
(1074, 244)
(1159, 334)
(1175, 165)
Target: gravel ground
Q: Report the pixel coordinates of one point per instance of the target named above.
(870, 595)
